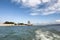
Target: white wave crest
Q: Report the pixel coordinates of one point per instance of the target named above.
(46, 35)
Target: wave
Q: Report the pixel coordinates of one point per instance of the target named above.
(30, 33)
(46, 35)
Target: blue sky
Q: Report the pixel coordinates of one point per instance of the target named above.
(36, 11)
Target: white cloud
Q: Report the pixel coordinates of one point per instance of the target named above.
(29, 3)
(34, 14)
(47, 7)
(53, 7)
(45, 0)
(33, 3)
(58, 21)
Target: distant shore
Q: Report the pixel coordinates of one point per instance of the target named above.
(12, 25)
(7, 25)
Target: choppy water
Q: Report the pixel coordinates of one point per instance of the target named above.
(30, 33)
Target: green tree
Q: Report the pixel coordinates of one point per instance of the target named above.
(9, 22)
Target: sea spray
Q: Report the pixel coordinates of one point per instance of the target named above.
(46, 35)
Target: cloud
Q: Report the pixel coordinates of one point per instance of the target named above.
(58, 21)
(28, 3)
(33, 3)
(34, 14)
(41, 7)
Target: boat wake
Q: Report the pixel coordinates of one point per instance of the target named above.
(46, 35)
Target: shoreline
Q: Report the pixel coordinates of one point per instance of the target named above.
(13, 25)
(6, 24)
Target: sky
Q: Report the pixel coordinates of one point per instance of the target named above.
(35, 11)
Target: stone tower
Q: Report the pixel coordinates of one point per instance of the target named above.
(29, 24)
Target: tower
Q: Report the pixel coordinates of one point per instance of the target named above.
(28, 22)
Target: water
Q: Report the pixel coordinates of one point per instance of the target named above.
(30, 33)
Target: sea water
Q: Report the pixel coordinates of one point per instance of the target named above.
(30, 33)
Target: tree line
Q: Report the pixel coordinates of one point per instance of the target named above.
(7, 22)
